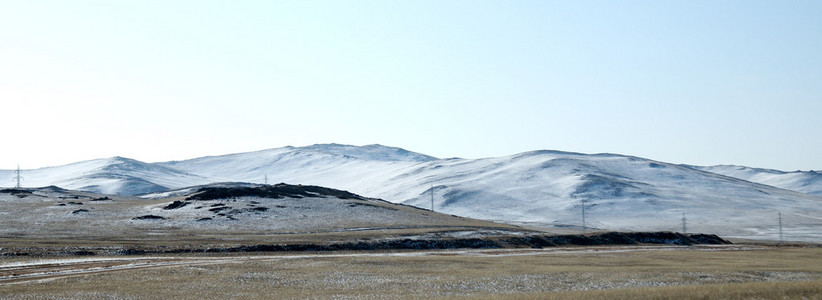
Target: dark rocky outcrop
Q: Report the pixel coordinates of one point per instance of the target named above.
(277, 191)
(175, 205)
(710, 239)
(616, 238)
(20, 193)
(532, 241)
(149, 217)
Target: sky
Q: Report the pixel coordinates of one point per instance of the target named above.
(692, 82)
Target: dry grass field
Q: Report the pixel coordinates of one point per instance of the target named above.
(603, 272)
(161, 249)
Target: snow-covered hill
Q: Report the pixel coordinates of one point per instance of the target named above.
(226, 213)
(115, 175)
(542, 188)
(809, 182)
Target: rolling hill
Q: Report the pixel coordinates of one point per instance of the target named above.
(809, 182)
(217, 216)
(544, 189)
(115, 175)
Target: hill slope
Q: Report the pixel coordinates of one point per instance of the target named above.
(541, 188)
(227, 213)
(809, 182)
(115, 175)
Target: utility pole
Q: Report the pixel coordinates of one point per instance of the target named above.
(18, 177)
(780, 226)
(583, 214)
(684, 228)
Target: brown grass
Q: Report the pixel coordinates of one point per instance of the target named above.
(748, 290)
(587, 273)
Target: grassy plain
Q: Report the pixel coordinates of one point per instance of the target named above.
(605, 272)
(41, 229)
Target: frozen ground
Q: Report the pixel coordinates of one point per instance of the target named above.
(54, 213)
(52, 268)
(701, 272)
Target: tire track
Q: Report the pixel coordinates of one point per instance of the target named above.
(50, 269)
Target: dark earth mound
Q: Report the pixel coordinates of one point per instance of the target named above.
(14, 191)
(277, 191)
(149, 217)
(534, 241)
(175, 204)
(20, 193)
(531, 241)
(617, 238)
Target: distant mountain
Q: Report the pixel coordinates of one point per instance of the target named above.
(369, 152)
(619, 192)
(540, 188)
(115, 175)
(809, 182)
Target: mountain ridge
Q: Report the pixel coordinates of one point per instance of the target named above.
(547, 187)
(809, 182)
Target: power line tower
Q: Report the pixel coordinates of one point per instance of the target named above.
(583, 215)
(18, 177)
(266, 179)
(684, 227)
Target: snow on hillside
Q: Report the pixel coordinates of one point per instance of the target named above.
(370, 152)
(543, 188)
(233, 209)
(620, 192)
(809, 182)
(293, 165)
(115, 175)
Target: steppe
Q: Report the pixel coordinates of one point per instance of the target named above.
(241, 241)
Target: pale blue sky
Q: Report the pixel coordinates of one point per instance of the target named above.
(696, 82)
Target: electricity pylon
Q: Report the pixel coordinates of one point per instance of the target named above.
(18, 177)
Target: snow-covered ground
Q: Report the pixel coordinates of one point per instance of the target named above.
(65, 214)
(543, 188)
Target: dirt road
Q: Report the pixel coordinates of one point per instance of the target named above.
(52, 268)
